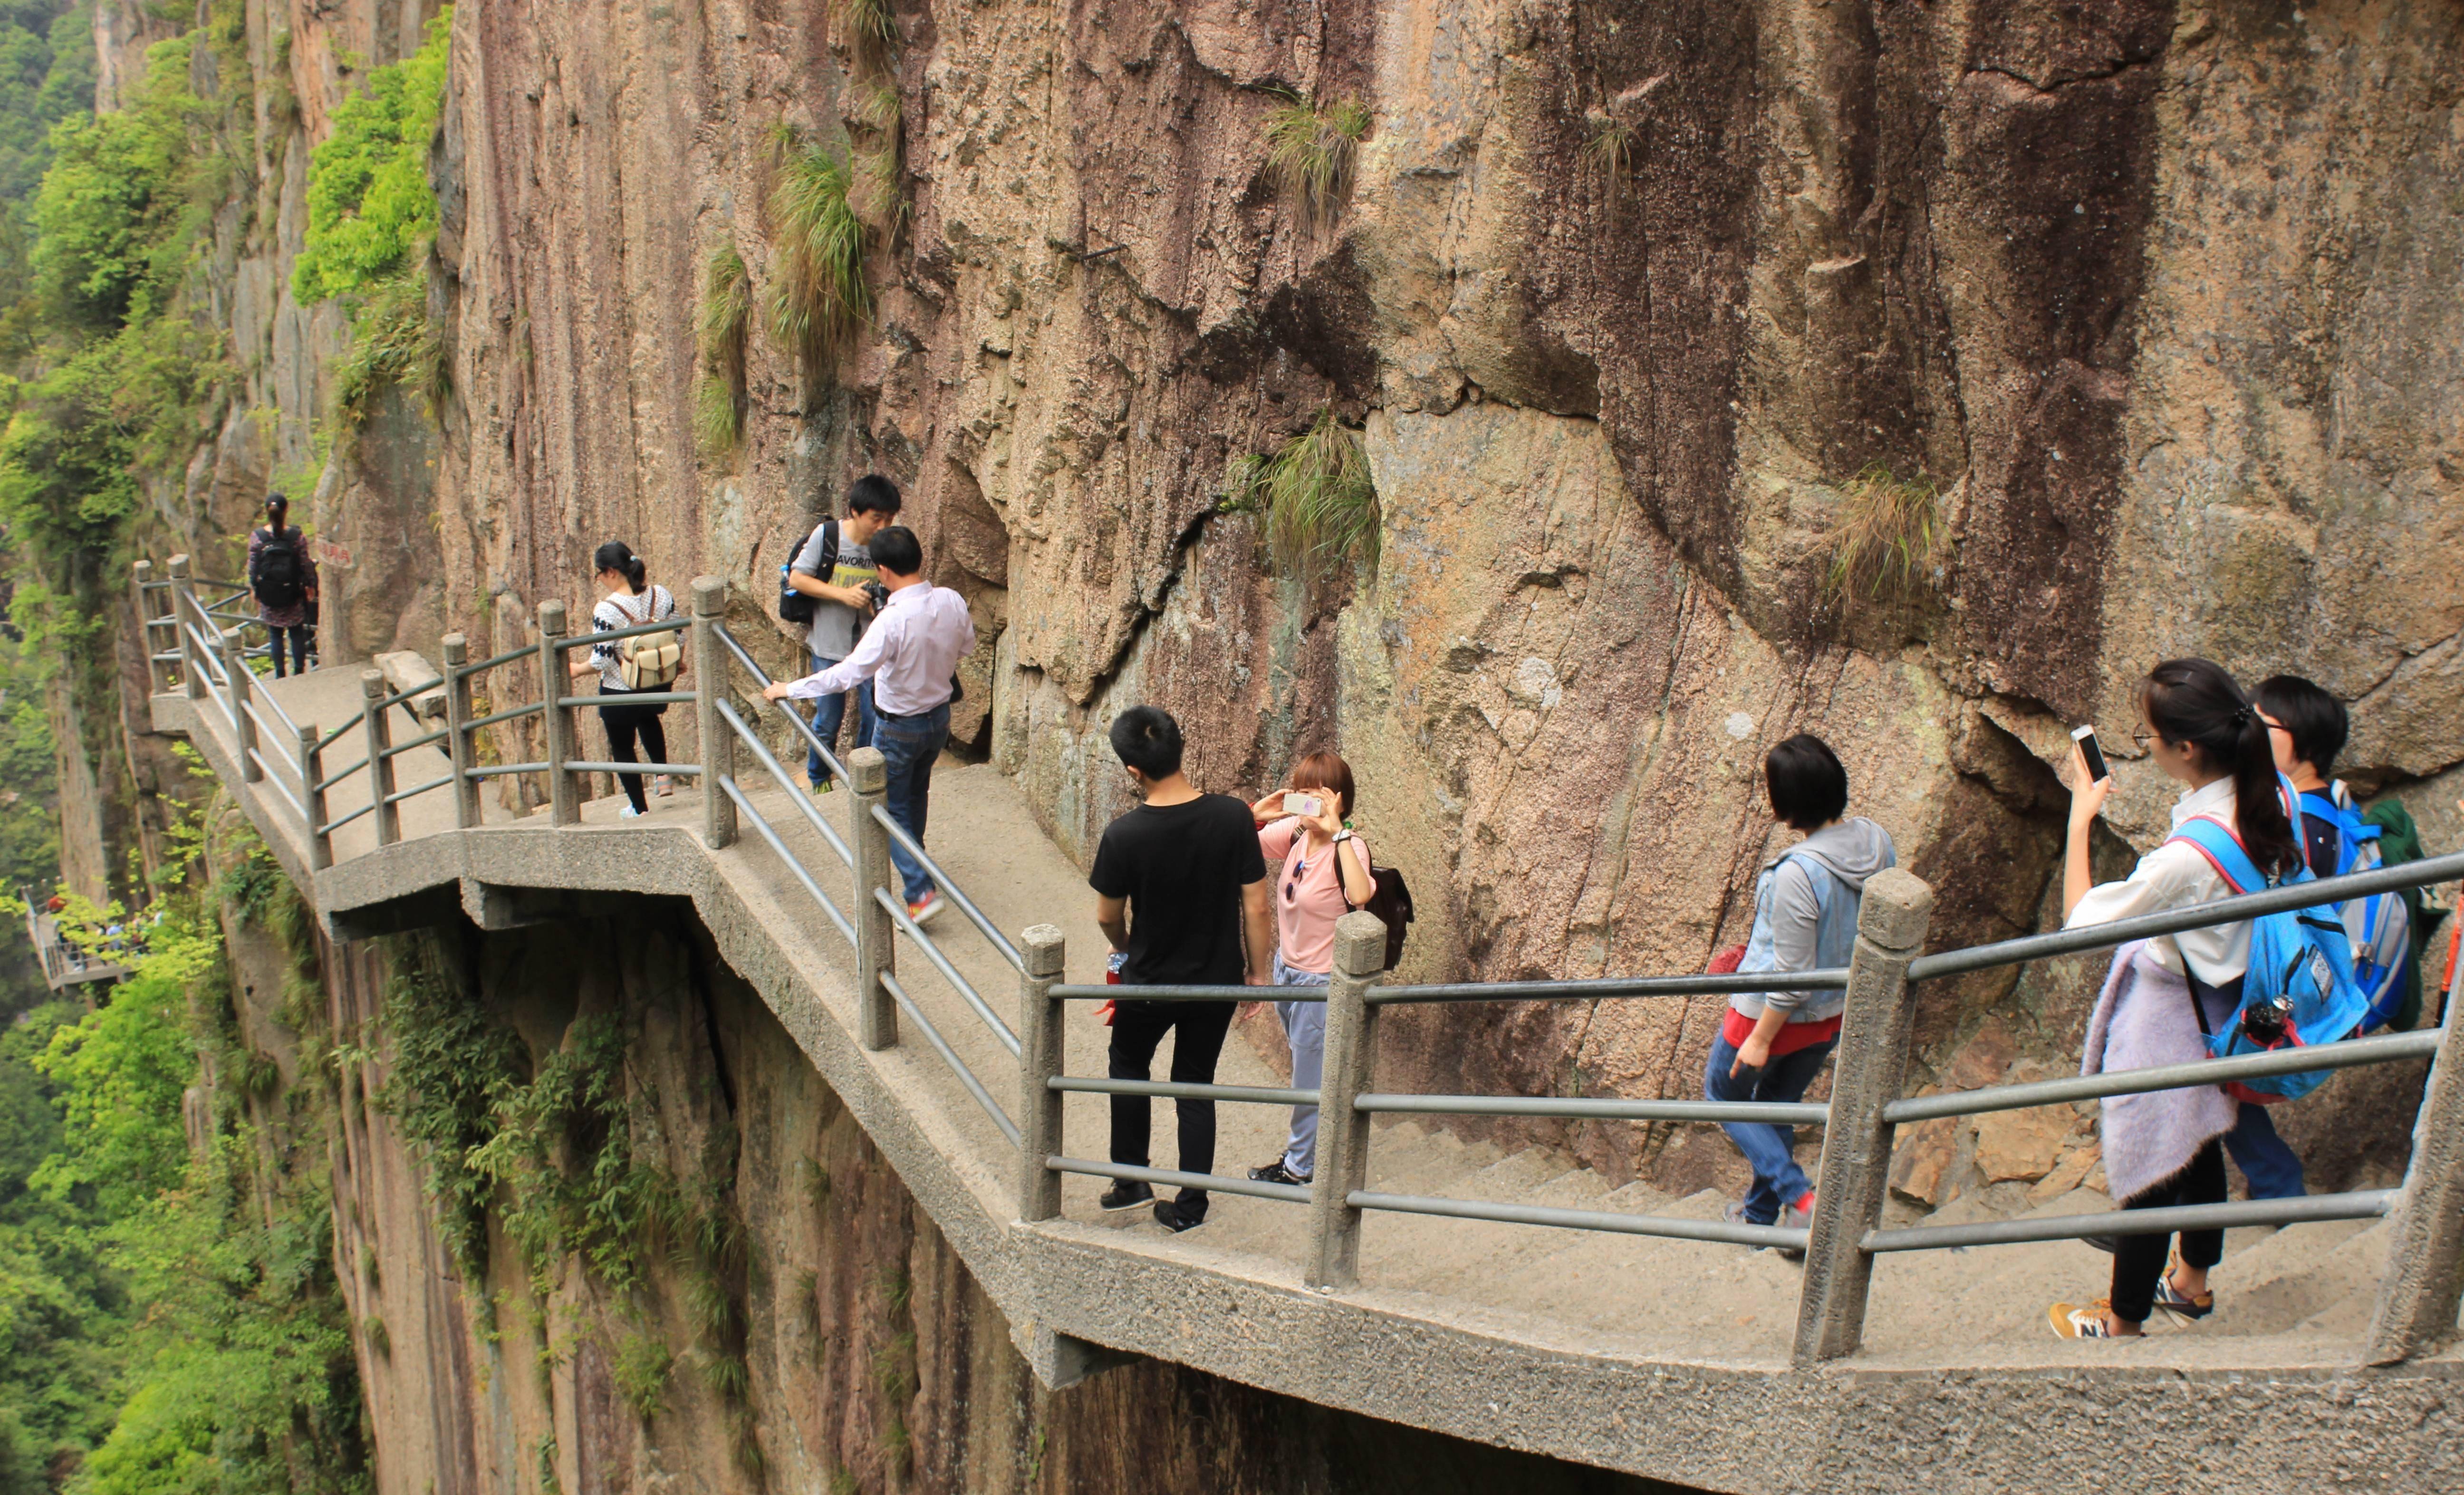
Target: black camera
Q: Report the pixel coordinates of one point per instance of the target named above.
(879, 594)
(2264, 1022)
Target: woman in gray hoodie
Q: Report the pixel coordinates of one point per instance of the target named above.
(1773, 1044)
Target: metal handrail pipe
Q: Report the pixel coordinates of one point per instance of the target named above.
(950, 1057)
(1174, 1179)
(494, 770)
(526, 651)
(437, 782)
(949, 884)
(1791, 1114)
(207, 649)
(2381, 1049)
(1190, 993)
(338, 823)
(397, 748)
(290, 728)
(1667, 1227)
(2367, 1204)
(804, 729)
(914, 932)
(673, 624)
(507, 714)
(338, 733)
(166, 657)
(279, 787)
(344, 772)
(630, 698)
(2205, 916)
(1829, 979)
(1174, 1089)
(769, 761)
(795, 864)
(576, 765)
(153, 586)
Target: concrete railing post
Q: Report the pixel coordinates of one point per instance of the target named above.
(380, 729)
(564, 793)
(1343, 1133)
(2418, 1300)
(1038, 1059)
(1868, 1070)
(139, 575)
(875, 950)
(312, 776)
(709, 684)
(243, 725)
(457, 733)
(183, 609)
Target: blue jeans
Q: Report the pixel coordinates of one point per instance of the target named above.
(2264, 1159)
(1778, 1182)
(828, 712)
(1305, 1028)
(909, 745)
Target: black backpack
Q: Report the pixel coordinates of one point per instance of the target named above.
(1392, 903)
(794, 606)
(276, 576)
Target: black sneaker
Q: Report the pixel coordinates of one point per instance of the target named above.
(1126, 1195)
(1180, 1214)
(1276, 1173)
(2108, 1245)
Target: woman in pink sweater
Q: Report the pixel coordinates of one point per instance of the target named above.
(1326, 872)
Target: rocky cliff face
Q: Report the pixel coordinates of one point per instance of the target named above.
(1640, 314)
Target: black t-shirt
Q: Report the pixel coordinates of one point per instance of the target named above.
(1182, 868)
(2324, 841)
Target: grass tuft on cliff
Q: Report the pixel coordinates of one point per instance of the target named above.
(1321, 506)
(817, 297)
(394, 342)
(868, 29)
(1311, 147)
(726, 312)
(1610, 150)
(1890, 531)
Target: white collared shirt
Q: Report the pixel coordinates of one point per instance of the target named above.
(908, 654)
(2177, 875)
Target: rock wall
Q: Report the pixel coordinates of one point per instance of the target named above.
(1623, 299)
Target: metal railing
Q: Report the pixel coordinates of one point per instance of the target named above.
(2418, 1304)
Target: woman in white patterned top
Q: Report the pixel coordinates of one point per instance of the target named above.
(629, 602)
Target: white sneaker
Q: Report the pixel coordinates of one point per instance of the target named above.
(627, 812)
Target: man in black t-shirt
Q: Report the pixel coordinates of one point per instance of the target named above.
(1181, 887)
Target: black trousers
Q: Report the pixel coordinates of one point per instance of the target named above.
(625, 723)
(1139, 1029)
(298, 648)
(2139, 1261)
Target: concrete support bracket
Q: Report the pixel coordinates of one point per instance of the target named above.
(875, 950)
(710, 680)
(1038, 1059)
(1870, 1068)
(564, 793)
(2424, 1279)
(379, 734)
(459, 745)
(1343, 1133)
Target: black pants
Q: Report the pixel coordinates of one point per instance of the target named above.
(2139, 1261)
(1137, 1029)
(298, 648)
(624, 724)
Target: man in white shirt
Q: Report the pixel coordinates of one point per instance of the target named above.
(911, 654)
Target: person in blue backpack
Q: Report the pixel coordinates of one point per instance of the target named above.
(2233, 824)
(1771, 1044)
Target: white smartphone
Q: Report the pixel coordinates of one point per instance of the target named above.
(2085, 737)
(1307, 804)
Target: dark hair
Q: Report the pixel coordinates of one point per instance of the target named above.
(2194, 703)
(896, 550)
(1808, 789)
(1147, 740)
(1329, 772)
(872, 494)
(2314, 719)
(618, 556)
(277, 511)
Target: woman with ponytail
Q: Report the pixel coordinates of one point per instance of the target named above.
(628, 600)
(2164, 1149)
(283, 577)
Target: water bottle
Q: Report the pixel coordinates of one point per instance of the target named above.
(1112, 964)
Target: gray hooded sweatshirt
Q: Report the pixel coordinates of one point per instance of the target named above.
(1805, 913)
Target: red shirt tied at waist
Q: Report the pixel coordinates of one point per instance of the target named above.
(1791, 1036)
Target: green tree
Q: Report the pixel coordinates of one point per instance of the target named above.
(370, 208)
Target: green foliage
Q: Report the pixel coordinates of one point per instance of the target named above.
(371, 211)
(120, 206)
(719, 390)
(46, 75)
(394, 342)
(450, 1062)
(1311, 147)
(640, 1367)
(1890, 534)
(867, 29)
(1321, 507)
(817, 296)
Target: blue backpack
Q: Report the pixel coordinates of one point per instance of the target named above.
(2378, 927)
(2298, 956)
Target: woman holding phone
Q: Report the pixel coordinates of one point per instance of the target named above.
(1325, 874)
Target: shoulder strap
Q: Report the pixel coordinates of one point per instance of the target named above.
(2216, 841)
(642, 617)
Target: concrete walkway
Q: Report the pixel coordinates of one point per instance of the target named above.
(1611, 1349)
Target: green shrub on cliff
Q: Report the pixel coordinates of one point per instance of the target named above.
(726, 309)
(817, 294)
(1890, 534)
(370, 207)
(1321, 507)
(1311, 147)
